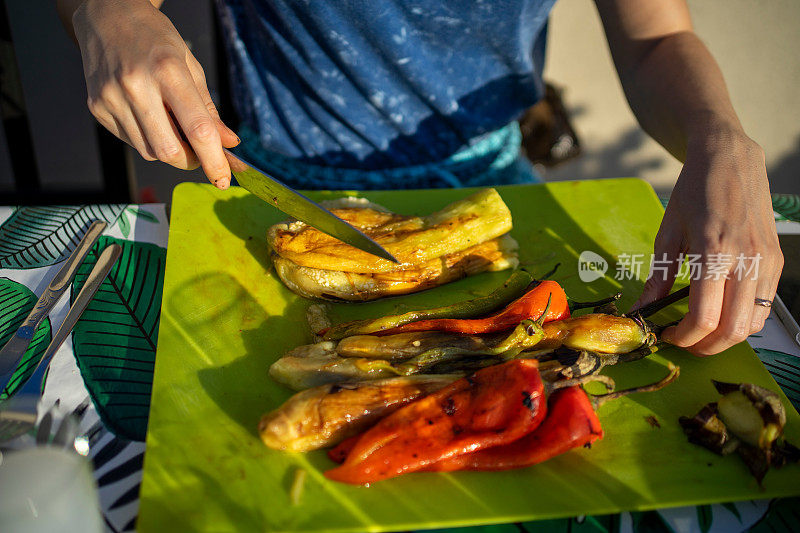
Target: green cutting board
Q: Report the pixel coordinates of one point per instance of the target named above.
(225, 318)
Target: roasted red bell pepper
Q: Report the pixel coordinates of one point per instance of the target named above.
(468, 415)
(571, 422)
(339, 453)
(530, 305)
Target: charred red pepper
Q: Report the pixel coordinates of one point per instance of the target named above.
(530, 305)
(339, 453)
(571, 422)
(466, 416)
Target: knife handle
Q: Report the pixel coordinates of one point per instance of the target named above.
(60, 281)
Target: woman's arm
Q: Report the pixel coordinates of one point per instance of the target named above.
(145, 86)
(66, 9)
(720, 206)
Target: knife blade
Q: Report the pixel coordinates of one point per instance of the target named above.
(300, 207)
(13, 351)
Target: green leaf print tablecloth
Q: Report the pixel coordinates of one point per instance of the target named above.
(103, 373)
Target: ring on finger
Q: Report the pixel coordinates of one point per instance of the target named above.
(763, 302)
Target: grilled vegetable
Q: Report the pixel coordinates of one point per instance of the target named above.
(407, 345)
(707, 430)
(598, 333)
(514, 286)
(493, 255)
(752, 413)
(407, 441)
(618, 335)
(369, 357)
(317, 364)
(526, 335)
(571, 422)
(467, 415)
(325, 415)
(749, 420)
(412, 240)
(529, 306)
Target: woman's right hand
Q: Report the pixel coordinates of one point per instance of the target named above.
(146, 87)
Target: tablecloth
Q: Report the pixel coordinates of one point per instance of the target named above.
(115, 344)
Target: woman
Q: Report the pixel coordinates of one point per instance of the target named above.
(380, 94)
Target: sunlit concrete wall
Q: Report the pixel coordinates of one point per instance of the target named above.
(757, 45)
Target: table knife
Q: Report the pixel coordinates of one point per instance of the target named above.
(12, 352)
(300, 207)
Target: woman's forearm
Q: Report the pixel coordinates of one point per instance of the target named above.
(678, 94)
(672, 83)
(66, 9)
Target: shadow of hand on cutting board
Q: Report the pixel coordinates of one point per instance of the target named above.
(239, 340)
(248, 218)
(556, 223)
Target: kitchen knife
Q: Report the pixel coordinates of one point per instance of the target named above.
(300, 207)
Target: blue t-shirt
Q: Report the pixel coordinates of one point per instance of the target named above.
(377, 84)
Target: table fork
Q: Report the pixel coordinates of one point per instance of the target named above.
(19, 412)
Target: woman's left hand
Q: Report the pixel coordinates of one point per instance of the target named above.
(720, 209)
